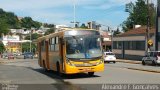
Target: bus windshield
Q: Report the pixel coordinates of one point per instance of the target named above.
(83, 46)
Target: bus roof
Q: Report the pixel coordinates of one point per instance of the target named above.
(62, 30)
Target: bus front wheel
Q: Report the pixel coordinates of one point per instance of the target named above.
(90, 73)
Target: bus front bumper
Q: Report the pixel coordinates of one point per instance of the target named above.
(74, 69)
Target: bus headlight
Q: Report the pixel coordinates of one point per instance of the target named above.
(69, 63)
(100, 62)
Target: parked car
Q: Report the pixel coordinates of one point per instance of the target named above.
(28, 55)
(10, 56)
(152, 57)
(109, 57)
(5, 56)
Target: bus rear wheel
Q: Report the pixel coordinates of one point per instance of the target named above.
(90, 73)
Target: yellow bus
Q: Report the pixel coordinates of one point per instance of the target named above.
(71, 51)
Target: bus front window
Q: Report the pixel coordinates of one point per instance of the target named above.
(82, 47)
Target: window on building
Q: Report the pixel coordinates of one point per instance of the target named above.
(126, 45)
(115, 45)
(119, 45)
(134, 45)
(140, 45)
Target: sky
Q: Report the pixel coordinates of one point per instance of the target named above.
(60, 12)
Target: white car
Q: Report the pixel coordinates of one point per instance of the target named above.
(109, 57)
(152, 57)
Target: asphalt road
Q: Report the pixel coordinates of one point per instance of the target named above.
(28, 72)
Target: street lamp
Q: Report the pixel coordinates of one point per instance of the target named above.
(74, 12)
(111, 31)
(112, 40)
(148, 27)
(31, 39)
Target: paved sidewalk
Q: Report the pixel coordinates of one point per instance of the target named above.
(137, 65)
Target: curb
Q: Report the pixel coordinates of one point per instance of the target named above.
(137, 62)
(144, 70)
(127, 61)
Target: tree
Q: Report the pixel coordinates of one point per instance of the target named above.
(2, 48)
(28, 23)
(26, 47)
(3, 27)
(34, 36)
(138, 14)
(116, 32)
(13, 22)
(37, 24)
(83, 26)
(49, 25)
(10, 18)
(49, 31)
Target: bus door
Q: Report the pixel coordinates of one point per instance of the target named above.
(40, 54)
(47, 54)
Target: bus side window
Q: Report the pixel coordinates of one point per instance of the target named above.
(52, 44)
(56, 44)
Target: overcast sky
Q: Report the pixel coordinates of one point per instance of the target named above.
(106, 12)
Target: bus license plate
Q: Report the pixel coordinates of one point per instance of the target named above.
(87, 69)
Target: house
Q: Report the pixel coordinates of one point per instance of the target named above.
(107, 42)
(133, 43)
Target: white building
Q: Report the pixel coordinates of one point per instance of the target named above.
(13, 43)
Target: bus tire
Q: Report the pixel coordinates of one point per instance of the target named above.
(143, 62)
(153, 63)
(114, 62)
(90, 73)
(58, 69)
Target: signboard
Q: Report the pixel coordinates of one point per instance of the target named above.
(11, 38)
(150, 42)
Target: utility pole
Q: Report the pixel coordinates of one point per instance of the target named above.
(112, 40)
(31, 41)
(157, 40)
(74, 13)
(148, 25)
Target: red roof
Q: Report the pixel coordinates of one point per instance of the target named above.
(108, 43)
(136, 31)
(105, 34)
